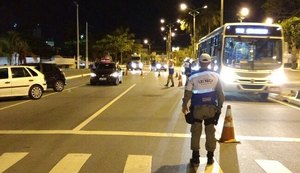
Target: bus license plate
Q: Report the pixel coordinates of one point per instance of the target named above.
(274, 89)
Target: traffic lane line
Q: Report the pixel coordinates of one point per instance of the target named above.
(138, 134)
(44, 95)
(96, 114)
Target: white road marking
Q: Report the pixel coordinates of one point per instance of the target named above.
(142, 134)
(272, 166)
(13, 105)
(45, 95)
(84, 123)
(214, 168)
(138, 164)
(71, 163)
(8, 159)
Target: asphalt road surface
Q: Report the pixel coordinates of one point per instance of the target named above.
(138, 127)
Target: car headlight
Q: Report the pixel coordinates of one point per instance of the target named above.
(278, 77)
(140, 65)
(228, 75)
(93, 74)
(114, 74)
(158, 66)
(133, 65)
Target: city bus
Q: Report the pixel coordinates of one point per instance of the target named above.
(248, 56)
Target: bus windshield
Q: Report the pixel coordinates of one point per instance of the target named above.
(252, 53)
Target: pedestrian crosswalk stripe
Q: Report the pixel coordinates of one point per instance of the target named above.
(71, 163)
(214, 168)
(8, 159)
(272, 166)
(138, 164)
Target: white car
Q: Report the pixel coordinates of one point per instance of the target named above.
(21, 81)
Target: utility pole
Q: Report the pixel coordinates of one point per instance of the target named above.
(77, 26)
(86, 47)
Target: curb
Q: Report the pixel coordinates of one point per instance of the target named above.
(289, 99)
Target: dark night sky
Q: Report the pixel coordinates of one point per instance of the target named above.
(57, 18)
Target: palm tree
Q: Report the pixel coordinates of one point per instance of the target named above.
(11, 45)
(209, 18)
(117, 43)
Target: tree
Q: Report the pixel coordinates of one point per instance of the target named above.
(13, 44)
(291, 29)
(117, 43)
(209, 20)
(280, 10)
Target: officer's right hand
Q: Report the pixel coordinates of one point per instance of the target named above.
(184, 110)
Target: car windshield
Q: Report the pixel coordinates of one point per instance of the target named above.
(135, 58)
(106, 67)
(252, 53)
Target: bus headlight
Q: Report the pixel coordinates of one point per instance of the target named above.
(278, 77)
(228, 75)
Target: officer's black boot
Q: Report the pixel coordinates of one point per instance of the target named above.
(195, 158)
(210, 157)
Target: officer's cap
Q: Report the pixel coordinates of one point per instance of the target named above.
(205, 58)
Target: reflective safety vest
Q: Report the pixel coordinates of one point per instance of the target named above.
(203, 86)
(171, 69)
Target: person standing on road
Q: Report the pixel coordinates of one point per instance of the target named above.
(205, 91)
(171, 73)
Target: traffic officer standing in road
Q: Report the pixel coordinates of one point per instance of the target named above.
(205, 91)
(171, 72)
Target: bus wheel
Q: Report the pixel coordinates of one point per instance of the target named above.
(264, 96)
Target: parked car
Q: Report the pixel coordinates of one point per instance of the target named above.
(107, 73)
(54, 76)
(21, 81)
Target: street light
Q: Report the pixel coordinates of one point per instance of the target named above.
(243, 14)
(170, 34)
(194, 13)
(269, 20)
(146, 41)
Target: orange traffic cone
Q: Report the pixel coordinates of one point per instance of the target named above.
(180, 81)
(228, 129)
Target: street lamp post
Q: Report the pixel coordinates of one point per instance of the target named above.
(169, 36)
(222, 13)
(86, 47)
(146, 41)
(77, 26)
(194, 13)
